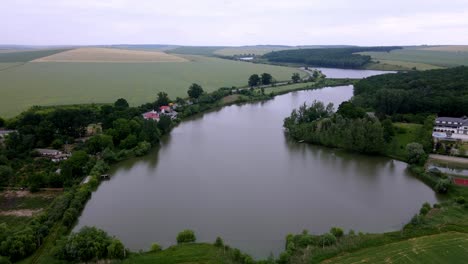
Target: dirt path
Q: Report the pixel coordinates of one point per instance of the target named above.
(449, 158)
(21, 212)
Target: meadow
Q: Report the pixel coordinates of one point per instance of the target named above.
(423, 57)
(60, 83)
(448, 247)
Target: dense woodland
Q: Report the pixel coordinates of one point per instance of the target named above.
(441, 92)
(330, 57)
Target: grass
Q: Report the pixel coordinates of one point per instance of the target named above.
(14, 223)
(196, 50)
(389, 65)
(450, 247)
(62, 83)
(25, 56)
(404, 133)
(187, 253)
(431, 57)
(257, 50)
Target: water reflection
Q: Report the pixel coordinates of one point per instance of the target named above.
(233, 173)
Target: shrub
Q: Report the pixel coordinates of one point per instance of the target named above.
(436, 205)
(186, 236)
(442, 186)
(219, 242)
(116, 250)
(327, 239)
(155, 247)
(337, 232)
(423, 211)
(460, 200)
(415, 153)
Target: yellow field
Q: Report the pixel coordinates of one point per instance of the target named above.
(453, 48)
(110, 55)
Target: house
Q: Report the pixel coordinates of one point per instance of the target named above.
(53, 154)
(151, 115)
(451, 128)
(165, 109)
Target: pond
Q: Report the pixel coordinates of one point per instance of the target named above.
(233, 173)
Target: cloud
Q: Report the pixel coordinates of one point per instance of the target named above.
(240, 22)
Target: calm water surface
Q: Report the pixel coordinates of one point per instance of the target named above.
(350, 73)
(232, 173)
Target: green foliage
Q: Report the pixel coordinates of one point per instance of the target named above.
(163, 99)
(75, 165)
(186, 236)
(195, 91)
(98, 143)
(460, 200)
(295, 77)
(2, 122)
(326, 57)
(254, 80)
(116, 250)
(416, 154)
(337, 232)
(219, 242)
(89, 244)
(121, 103)
(266, 78)
(129, 142)
(441, 92)
(57, 143)
(25, 56)
(164, 124)
(155, 247)
(142, 148)
(327, 239)
(349, 110)
(317, 124)
(388, 130)
(6, 172)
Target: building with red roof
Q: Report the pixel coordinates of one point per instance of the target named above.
(151, 115)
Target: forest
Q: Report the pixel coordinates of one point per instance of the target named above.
(332, 57)
(442, 92)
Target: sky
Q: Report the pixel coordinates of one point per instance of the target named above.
(234, 23)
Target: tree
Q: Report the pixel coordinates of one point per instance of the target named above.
(186, 236)
(254, 80)
(195, 90)
(155, 247)
(296, 77)
(415, 153)
(6, 172)
(266, 78)
(349, 110)
(164, 124)
(121, 104)
(76, 163)
(98, 143)
(388, 131)
(337, 232)
(2, 122)
(116, 250)
(163, 99)
(219, 242)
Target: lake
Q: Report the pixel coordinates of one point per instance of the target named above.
(233, 173)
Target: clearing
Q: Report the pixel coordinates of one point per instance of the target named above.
(110, 55)
(451, 247)
(60, 83)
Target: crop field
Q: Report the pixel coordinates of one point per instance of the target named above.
(53, 83)
(414, 55)
(25, 56)
(110, 55)
(442, 248)
(452, 48)
(257, 50)
(402, 65)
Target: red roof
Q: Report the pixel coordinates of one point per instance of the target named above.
(151, 115)
(164, 107)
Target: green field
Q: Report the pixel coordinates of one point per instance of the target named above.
(408, 56)
(443, 248)
(257, 50)
(405, 133)
(25, 56)
(51, 83)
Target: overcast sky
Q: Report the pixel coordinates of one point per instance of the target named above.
(234, 22)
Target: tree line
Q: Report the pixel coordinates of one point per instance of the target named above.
(326, 57)
(442, 92)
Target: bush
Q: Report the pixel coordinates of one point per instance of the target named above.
(461, 200)
(186, 236)
(415, 153)
(442, 185)
(219, 242)
(155, 247)
(436, 205)
(423, 211)
(337, 232)
(327, 239)
(116, 250)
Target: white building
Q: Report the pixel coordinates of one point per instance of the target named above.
(451, 128)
